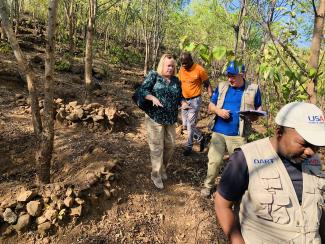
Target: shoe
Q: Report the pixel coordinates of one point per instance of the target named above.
(187, 151)
(202, 144)
(157, 182)
(206, 192)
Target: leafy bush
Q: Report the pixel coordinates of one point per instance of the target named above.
(106, 70)
(63, 65)
(5, 47)
(123, 55)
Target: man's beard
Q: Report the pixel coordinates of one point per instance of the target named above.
(296, 159)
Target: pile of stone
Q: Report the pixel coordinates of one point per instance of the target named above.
(93, 115)
(53, 205)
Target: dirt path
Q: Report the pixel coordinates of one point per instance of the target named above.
(143, 214)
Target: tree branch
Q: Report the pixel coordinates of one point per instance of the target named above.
(108, 8)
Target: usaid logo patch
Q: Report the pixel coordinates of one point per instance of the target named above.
(263, 161)
(316, 119)
(314, 162)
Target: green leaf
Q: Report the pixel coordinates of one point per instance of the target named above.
(219, 53)
(190, 47)
(312, 72)
(293, 32)
(286, 12)
(202, 48)
(183, 42)
(262, 68)
(205, 57)
(230, 55)
(293, 14)
(280, 8)
(62, 213)
(302, 97)
(268, 73)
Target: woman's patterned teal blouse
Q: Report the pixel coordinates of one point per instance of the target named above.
(169, 95)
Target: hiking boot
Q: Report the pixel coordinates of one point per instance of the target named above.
(187, 151)
(202, 144)
(157, 182)
(206, 192)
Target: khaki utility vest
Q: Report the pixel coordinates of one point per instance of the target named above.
(247, 103)
(270, 212)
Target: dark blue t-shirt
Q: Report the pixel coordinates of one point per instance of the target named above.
(232, 102)
(235, 177)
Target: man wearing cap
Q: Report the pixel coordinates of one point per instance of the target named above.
(229, 130)
(192, 77)
(279, 182)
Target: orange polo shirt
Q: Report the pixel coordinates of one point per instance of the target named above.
(192, 80)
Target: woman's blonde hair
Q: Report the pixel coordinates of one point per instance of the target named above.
(162, 62)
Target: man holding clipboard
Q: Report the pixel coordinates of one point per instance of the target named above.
(232, 102)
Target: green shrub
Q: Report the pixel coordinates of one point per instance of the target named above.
(63, 65)
(106, 70)
(120, 55)
(5, 48)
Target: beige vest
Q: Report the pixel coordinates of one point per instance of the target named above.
(270, 212)
(247, 103)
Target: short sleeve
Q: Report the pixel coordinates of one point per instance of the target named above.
(234, 180)
(258, 99)
(203, 75)
(214, 97)
(148, 83)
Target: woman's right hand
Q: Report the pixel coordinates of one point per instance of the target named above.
(156, 102)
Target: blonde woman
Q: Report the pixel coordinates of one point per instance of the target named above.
(163, 89)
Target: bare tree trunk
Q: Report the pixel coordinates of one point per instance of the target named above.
(89, 47)
(146, 57)
(146, 34)
(16, 15)
(44, 154)
(2, 32)
(155, 34)
(71, 19)
(24, 69)
(316, 47)
(244, 31)
(237, 27)
(106, 38)
(21, 6)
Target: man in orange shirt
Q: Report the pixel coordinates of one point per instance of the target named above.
(192, 77)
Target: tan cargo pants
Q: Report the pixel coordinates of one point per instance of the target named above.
(217, 149)
(161, 140)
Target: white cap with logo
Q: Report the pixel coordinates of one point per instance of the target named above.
(306, 118)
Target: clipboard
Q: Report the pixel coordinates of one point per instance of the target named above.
(252, 113)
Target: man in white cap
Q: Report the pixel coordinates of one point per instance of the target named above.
(278, 182)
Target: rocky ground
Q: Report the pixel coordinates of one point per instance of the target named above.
(87, 138)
